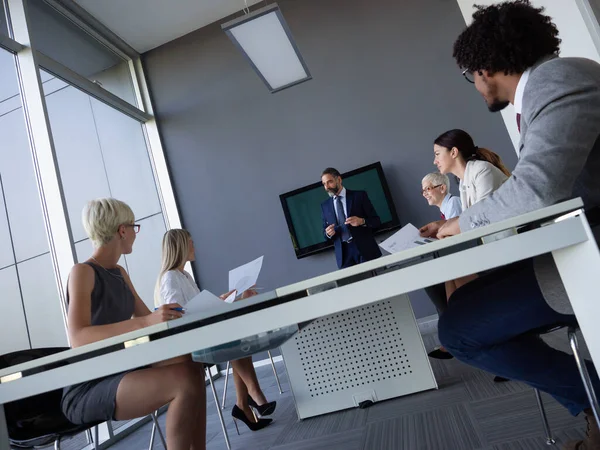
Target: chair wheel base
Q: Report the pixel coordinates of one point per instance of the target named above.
(550, 442)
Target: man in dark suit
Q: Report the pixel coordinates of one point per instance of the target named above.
(349, 220)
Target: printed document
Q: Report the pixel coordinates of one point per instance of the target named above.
(244, 277)
(407, 237)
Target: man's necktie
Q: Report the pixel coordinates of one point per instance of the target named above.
(519, 122)
(341, 218)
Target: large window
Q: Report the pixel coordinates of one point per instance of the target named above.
(71, 130)
(30, 300)
(102, 153)
(62, 40)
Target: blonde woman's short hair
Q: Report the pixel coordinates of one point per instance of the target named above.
(102, 218)
(436, 178)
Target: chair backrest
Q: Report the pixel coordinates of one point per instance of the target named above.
(23, 356)
(31, 417)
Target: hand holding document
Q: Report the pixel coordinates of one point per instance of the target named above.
(231, 297)
(407, 237)
(244, 277)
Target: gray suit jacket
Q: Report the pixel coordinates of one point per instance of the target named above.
(559, 155)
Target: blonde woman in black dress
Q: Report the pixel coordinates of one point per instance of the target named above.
(103, 303)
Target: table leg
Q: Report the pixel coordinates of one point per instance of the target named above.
(4, 441)
(579, 269)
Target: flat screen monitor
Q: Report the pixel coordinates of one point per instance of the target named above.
(302, 208)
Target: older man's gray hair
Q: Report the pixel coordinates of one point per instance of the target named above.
(436, 178)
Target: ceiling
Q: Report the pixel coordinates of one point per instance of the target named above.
(147, 24)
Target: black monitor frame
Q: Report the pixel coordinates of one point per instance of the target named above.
(317, 248)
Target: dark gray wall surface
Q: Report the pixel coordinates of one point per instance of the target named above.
(385, 86)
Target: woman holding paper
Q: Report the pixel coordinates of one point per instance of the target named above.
(176, 285)
(103, 303)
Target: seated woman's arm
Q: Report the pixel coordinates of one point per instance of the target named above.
(79, 318)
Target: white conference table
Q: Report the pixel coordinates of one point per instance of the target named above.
(561, 229)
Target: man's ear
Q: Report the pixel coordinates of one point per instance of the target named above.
(486, 74)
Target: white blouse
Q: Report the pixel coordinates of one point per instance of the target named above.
(480, 180)
(177, 287)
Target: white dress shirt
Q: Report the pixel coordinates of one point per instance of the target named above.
(450, 206)
(520, 90)
(342, 196)
(177, 287)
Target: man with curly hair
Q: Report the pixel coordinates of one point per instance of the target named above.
(510, 53)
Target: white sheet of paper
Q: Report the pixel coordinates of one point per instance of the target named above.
(407, 237)
(244, 277)
(203, 302)
(231, 297)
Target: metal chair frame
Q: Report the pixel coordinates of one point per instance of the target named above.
(585, 378)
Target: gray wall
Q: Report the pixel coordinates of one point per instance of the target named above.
(385, 85)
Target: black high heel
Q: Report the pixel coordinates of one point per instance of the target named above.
(264, 410)
(238, 414)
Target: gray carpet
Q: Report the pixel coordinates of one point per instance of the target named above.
(468, 411)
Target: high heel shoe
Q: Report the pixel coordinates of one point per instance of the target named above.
(238, 414)
(264, 410)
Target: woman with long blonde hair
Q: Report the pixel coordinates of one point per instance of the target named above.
(176, 285)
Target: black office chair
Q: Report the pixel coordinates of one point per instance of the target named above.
(583, 372)
(38, 421)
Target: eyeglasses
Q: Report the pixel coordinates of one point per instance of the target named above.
(468, 76)
(429, 189)
(136, 227)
